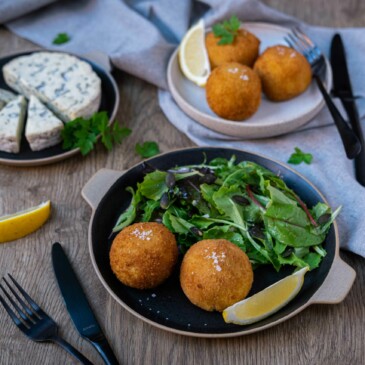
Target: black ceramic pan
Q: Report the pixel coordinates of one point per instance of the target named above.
(27, 157)
(166, 306)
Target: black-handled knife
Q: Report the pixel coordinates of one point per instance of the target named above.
(78, 306)
(343, 90)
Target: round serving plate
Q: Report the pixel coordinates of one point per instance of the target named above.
(27, 157)
(166, 306)
(271, 119)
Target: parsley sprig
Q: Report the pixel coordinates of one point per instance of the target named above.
(227, 30)
(61, 38)
(83, 133)
(299, 156)
(147, 149)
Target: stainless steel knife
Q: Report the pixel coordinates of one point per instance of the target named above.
(78, 306)
(343, 90)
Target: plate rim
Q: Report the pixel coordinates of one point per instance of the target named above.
(201, 334)
(62, 156)
(244, 128)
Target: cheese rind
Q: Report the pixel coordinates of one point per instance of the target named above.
(43, 128)
(11, 124)
(65, 84)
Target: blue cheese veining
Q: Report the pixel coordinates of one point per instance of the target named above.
(43, 128)
(5, 97)
(65, 84)
(11, 124)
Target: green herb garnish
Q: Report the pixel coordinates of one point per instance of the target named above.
(61, 38)
(299, 156)
(147, 149)
(242, 202)
(83, 133)
(227, 30)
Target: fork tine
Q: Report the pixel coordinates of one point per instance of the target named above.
(13, 316)
(30, 312)
(32, 303)
(13, 303)
(304, 38)
(298, 43)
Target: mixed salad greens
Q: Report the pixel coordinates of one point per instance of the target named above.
(242, 202)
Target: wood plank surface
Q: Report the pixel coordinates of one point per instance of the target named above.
(321, 334)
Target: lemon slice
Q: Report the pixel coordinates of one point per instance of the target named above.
(193, 56)
(267, 301)
(20, 224)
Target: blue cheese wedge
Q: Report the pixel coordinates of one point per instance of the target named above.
(43, 128)
(11, 124)
(65, 84)
(5, 97)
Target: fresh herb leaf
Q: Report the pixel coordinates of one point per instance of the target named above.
(61, 38)
(83, 133)
(147, 149)
(128, 216)
(299, 156)
(227, 30)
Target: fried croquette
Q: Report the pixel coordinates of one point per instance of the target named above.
(284, 73)
(143, 255)
(215, 274)
(244, 49)
(233, 91)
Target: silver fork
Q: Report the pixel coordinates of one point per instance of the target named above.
(32, 320)
(303, 44)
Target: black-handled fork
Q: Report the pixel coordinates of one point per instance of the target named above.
(303, 44)
(32, 320)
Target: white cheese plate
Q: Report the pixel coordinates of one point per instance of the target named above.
(271, 119)
(26, 157)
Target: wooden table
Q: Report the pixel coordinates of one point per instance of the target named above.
(322, 334)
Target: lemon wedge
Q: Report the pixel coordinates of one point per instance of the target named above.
(193, 56)
(267, 301)
(20, 224)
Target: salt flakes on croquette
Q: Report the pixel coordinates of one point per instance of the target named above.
(216, 258)
(143, 235)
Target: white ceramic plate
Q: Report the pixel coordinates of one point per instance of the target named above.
(271, 119)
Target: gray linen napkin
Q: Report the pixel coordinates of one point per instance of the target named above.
(11, 9)
(139, 37)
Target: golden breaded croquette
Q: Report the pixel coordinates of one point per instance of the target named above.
(143, 255)
(233, 91)
(284, 73)
(244, 49)
(215, 274)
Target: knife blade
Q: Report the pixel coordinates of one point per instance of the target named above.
(343, 90)
(78, 306)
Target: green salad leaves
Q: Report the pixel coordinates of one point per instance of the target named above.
(242, 202)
